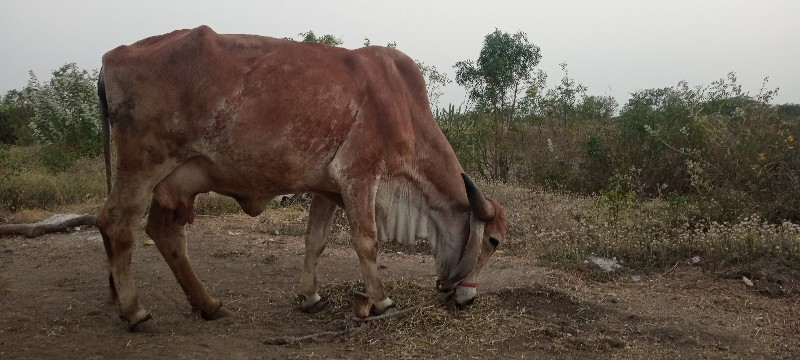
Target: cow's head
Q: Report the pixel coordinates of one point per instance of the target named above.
(487, 229)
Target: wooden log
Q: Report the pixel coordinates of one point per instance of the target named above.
(39, 229)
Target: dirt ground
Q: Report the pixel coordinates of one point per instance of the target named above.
(54, 304)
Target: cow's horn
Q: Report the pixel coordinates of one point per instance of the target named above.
(477, 202)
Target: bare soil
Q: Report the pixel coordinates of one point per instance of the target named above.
(54, 304)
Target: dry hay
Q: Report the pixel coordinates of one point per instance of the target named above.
(511, 317)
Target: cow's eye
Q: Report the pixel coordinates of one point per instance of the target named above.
(495, 243)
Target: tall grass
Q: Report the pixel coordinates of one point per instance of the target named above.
(561, 229)
(26, 184)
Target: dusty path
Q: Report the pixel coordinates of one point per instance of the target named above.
(53, 303)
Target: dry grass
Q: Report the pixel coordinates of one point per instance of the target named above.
(558, 228)
(439, 328)
(24, 184)
(283, 221)
(517, 319)
(215, 204)
(562, 229)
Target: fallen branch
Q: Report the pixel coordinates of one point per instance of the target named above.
(327, 336)
(39, 229)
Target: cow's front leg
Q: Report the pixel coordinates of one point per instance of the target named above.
(320, 220)
(360, 208)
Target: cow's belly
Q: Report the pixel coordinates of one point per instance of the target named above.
(253, 186)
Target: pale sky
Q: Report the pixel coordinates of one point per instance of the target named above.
(614, 47)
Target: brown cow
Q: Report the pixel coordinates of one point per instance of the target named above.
(250, 117)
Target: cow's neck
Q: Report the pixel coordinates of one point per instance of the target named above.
(405, 214)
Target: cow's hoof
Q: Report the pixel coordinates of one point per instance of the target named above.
(145, 326)
(392, 308)
(220, 313)
(315, 307)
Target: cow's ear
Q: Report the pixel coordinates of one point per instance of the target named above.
(482, 208)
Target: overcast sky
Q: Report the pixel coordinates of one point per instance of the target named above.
(614, 47)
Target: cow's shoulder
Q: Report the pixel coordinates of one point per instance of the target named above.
(176, 44)
(400, 67)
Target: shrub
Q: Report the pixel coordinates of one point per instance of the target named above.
(562, 229)
(65, 109)
(25, 184)
(15, 115)
(57, 157)
(734, 151)
(215, 204)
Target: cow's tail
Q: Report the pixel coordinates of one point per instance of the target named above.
(101, 92)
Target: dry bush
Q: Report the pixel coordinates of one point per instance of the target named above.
(215, 204)
(559, 155)
(562, 229)
(24, 184)
(284, 221)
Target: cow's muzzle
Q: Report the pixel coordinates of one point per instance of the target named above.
(462, 294)
(441, 285)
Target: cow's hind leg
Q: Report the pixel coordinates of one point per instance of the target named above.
(169, 236)
(123, 209)
(112, 298)
(320, 220)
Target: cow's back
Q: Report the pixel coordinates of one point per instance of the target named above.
(274, 111)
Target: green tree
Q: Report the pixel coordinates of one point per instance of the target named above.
(15, 115)
(65, 110)
(568, 100)
(562, 101)
(327, 39)
(597, 108)
(391, 45)
(503, 73)
(434, 81)
(499, 83)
